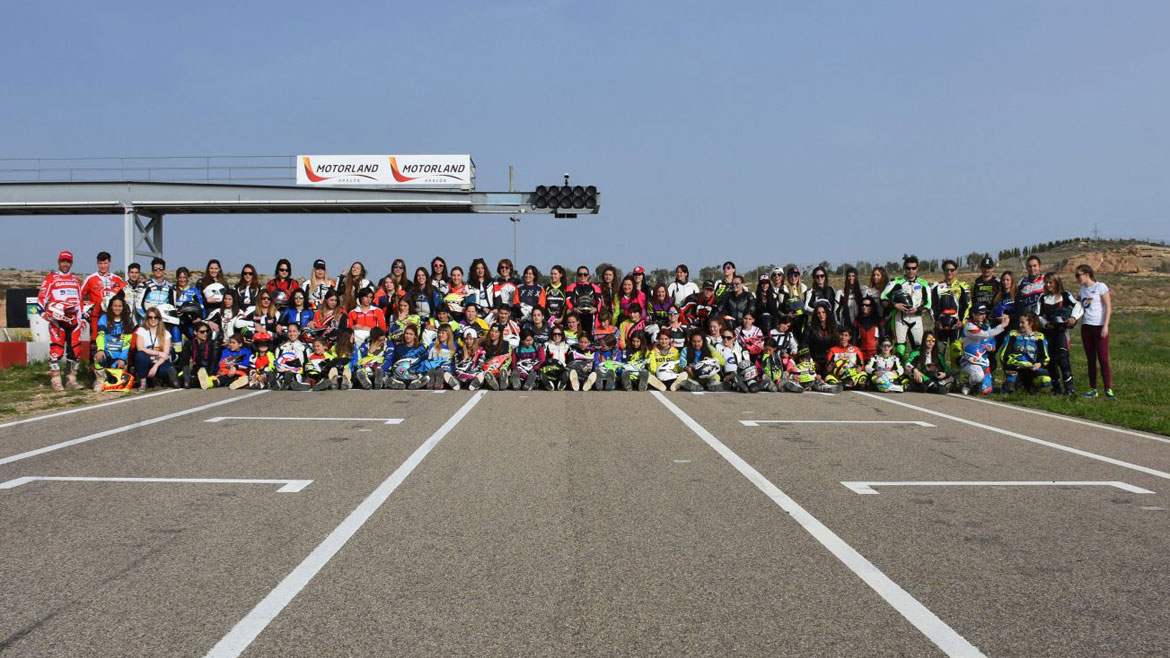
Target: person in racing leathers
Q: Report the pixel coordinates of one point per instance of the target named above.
(317, 284)
(62, 307)
(160, 292)
(791, 293)
(529, 294)
(949, 300)
(1031, 288)
(584, 299)
(820, 293)
(134, 290)
(555, 296)
(99, 288)
(986, 289)
(927, 369)
(978, 347)
(282, 285)
(191, 307)
(115, 334)
(724, 285)
(682, 287)
(844, 363)
(702, 363)
(885, 369)
(909, 296)
(1025, 355)
(1059, 312)
(699, 306)
(736, 303)
(290, 360)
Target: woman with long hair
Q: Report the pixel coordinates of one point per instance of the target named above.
(282, 284)
(820, 293)
(849, 298)
(611, 293)
(1097, 303)
(398, 273)
(1059, 312)
(317, 284)
(878, 281)
(767, 304)
(387, 295)
(440, 278)
(628, 295)
(479, 284)
(248, 287)
(820, 335)
(152, 351)
(213, 273)
(555, 295)
(297, 312)
(426, 299)
(261, 318)
(350, 283)
(330, 318)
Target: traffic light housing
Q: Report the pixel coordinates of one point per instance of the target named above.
(566, 200)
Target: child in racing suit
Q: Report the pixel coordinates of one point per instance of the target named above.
(556, 353)
(978, 348)
(702, 363)
(1025, 355)
(635, 370)
(234, 363)
(526, 360)
(778, 369)
(579, 365)
(289, 362)
(664, 363)
(927, 369)
(262, 373)
(115, 333)
(408, 367)
(607, 363)
(844, 363)
(885, 368)
(805, 374)
(369, 360)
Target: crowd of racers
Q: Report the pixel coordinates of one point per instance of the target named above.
(451, 328)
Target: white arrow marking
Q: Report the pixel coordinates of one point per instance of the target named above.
(867, 487)
(290, 486)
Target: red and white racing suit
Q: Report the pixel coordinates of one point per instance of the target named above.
(62, 306)
(96, 292)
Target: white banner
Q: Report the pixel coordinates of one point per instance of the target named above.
(456, 171)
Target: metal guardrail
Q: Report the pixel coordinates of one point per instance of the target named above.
(275, 169)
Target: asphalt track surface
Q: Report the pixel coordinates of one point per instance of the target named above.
(554, 524)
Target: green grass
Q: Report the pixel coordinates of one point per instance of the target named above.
(25, 390)
(1139, 350)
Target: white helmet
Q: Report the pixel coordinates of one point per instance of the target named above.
(213, 293)
(168, 313)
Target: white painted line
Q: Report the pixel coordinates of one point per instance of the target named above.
(920, 423)
(682, 461)
(1078, 421)
(935, 629)
(217, 419)
(824, 393)
(245, 632)
(87, 407)
(867, 487)
(124, 428)
(1151, 508)
(698, 392)
(290, 486)
(1024, 437)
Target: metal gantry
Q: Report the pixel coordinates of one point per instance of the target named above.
(144, 204)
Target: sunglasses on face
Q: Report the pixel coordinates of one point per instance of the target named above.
(911, 268)
(397, 267)
(582, 274)
(818, 276)
(728, 337)
(949, 269)
(158, 268)
(201, 331)
(249, 274)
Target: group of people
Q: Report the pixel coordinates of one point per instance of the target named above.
(449, 328)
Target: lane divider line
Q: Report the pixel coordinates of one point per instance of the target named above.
(920, 423)
(1024, 437)
(1078, 421)
(247, 629)
(387, 421)
(131, 398)
(124, 428)
(867, 487)
(928, 623)
(290, 486)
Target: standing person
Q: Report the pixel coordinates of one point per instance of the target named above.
(767, 304)
(682, 287)
(212, 273)
(159, 291)
(725, 285)
(821, 293)
(282, 284)
(297, 312)
(424, 295)
(555, 295)
(639, 274)
(350, 283)
(529, 293)
(878, 280)
(909, 297)
(98, 289)
(610, 290)
(398, 273)
(868, 328)
(737, 303)
(1006, 308)
(1031, 288)
(134, 290)
(456, 296)
(792, 298)
(503, 292)
(440, 278)
(628, 296)
(1097, 302)
(849, 298)
(950, 300)
(699, 306)
(1059, 312)
(985, 289)
(248, 287)
(317, 284)
(584, 299)
(479, 284)
(658, 313)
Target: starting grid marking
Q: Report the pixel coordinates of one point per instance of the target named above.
(386, 421)
(290, 486)
(919, 423)
(867, 487)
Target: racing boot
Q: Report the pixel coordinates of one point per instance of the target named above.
(590, 381)
(71, 377)
(678, 382)
(529, 382)
(379, 379)
(627, 384)
(99, 379)
(324, 384)
(172, 378)
(690, 385)
(574, 381)
(643, 380)
(609, 381)
(503, 377)
(363, 380)
(492, 380)
(294, 382)
(475, 382)
(516, 383)
(452, 381)
(420, 382)
(651, 380)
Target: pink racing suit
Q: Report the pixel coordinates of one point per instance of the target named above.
(63, 308)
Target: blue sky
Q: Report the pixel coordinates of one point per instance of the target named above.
(760, 132)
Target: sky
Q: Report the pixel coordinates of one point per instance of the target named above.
(760, 132)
